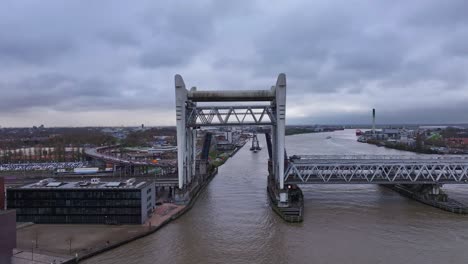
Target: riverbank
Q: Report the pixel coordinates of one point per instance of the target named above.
(163, 216)
(72, 240)
(80, 242)
(301, 130)
(431, 150)
(401, 147)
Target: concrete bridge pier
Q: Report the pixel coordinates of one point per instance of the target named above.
(427, 191)
(202, 174)
(430, 194)
(437, 193)
(181, 196)
(283, 198)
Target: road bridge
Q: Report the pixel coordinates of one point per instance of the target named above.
(98, 153)
(127, 166)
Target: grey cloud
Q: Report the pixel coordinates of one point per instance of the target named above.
(327, 50)
(119, 37)
(49, 91)
(457, 45)
(30, 51)
(438, 14)
(114, 55)
(65, 93)
(177, 36)
(169, 52)
(372, 56)
(341, 51)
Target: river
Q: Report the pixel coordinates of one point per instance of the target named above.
(232, 222)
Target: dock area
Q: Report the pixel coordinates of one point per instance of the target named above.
(68, 243)
(27, 257)
(36, 241)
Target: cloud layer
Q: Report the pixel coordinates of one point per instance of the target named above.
(113, 62)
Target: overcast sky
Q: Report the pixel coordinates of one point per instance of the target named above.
(78, 63)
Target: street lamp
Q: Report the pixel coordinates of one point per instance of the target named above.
(32, 251)
(69, 249)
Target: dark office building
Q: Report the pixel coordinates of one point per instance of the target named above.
(93, 202)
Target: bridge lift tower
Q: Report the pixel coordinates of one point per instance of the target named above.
(258, 108)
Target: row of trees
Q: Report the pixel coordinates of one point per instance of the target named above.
(42, 154)
(146, 137)
(23, 138)
(49, 145)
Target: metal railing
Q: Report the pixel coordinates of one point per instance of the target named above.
(230, 115)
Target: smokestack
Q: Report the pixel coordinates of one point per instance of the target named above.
(373, 120)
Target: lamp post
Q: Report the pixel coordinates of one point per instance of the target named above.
(69, 248)
(32, 251)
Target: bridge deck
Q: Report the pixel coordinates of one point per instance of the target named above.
(94, 153)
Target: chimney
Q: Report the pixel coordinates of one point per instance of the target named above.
(373, 120)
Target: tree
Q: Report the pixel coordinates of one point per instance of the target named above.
(40, 151)
(83, 154)
(45, 153)
(21, 156)
(61, 153)
(419, 142)
(8, 155)
(36, 154)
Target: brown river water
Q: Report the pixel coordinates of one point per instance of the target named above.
(232, 222)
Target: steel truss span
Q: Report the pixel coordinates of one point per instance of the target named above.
(423, 169)
(231, 115)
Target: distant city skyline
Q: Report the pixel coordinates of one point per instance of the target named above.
(112, 63)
